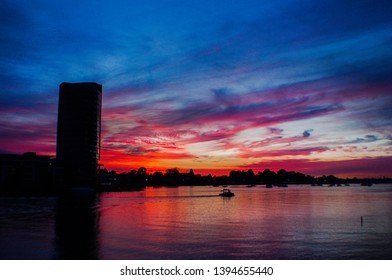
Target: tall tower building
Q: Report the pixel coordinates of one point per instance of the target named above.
(79, 132)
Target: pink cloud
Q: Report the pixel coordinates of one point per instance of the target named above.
(285, 152)
(367, 167)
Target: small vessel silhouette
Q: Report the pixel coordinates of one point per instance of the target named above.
(226, 193)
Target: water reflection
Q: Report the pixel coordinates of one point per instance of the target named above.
(298, 222)
(293, 223)
(77, 226)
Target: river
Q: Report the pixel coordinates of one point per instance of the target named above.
(298, 222)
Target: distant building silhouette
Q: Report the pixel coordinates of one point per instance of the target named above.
(26, 173)
(79, 132)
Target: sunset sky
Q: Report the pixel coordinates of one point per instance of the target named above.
(209, 85)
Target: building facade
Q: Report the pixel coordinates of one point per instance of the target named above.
(79, 132)
(26, 174)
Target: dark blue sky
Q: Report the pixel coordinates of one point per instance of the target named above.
(206, 84)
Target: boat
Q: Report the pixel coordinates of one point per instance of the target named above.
(268, 186)
(250, 186)
(367, 184)
(226, 193)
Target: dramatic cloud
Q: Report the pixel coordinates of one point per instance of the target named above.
(307, 133)
(286, 152)
(366, 139)
(374, 167)
(212, 85)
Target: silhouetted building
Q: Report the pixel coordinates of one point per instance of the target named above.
(26, 173)
(79, 132)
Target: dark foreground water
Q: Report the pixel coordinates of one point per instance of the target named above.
(298, 222)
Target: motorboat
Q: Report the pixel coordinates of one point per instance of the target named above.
(226, 193)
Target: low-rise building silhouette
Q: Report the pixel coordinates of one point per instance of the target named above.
(26, 173)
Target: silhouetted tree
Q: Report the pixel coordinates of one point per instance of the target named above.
(172, 172)
(158, 174)
(269, 176)
(282, 176)
(141, 172)
(330, 179)
(173, 177)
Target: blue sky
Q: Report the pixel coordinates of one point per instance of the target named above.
(209, 85)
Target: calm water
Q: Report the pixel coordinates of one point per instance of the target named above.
(299, 222)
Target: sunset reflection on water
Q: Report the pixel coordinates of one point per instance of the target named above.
(298, 222)
(293, 223)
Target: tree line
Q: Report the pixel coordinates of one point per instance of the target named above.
(136, 179)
